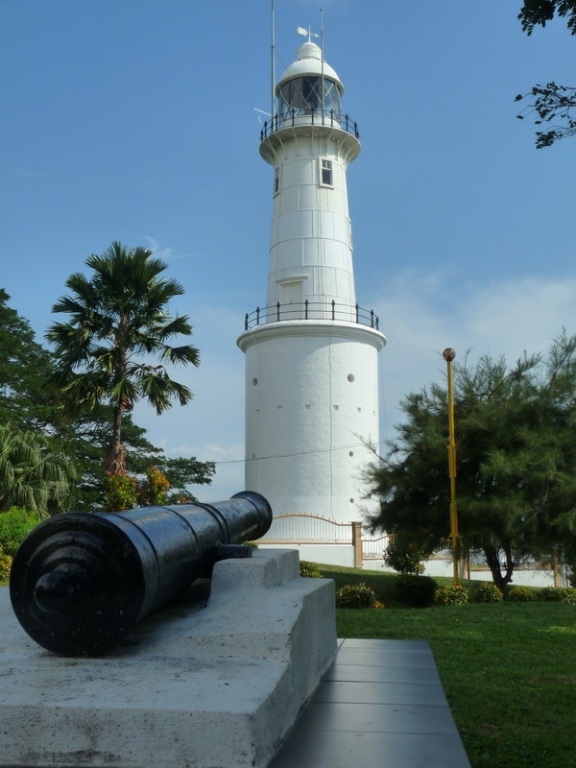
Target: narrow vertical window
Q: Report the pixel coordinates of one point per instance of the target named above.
(276, 180)
(326, 173)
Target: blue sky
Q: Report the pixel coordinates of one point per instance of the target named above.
(135, 120)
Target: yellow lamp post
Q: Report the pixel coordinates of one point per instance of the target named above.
(449, 354)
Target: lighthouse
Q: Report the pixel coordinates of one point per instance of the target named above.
(311, 350)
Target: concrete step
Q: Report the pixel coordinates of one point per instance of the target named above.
(381, 703)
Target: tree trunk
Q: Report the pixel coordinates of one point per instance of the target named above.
(116, 453)
(556, 569)
(493, 555)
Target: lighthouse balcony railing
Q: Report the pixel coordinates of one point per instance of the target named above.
(309, 116)
(311, 310)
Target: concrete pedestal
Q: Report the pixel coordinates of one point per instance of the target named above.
(198, 685)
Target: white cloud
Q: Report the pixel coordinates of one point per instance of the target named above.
(154, 246)
(421, 316)
(164, 252)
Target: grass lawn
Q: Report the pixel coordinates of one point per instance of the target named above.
(508, 670)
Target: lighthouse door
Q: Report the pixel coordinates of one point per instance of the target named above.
(292, 299)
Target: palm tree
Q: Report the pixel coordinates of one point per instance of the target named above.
(32, 474)
(119, 319)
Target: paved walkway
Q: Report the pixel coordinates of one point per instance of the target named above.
(381, 703)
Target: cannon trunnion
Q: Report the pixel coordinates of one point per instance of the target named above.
(81, 581)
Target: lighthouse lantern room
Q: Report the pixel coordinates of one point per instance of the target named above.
(311, 351)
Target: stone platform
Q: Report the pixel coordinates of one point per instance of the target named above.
(214, 684)
(381, 703)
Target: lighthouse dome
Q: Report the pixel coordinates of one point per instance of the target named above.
(309, 62)
(309, 87)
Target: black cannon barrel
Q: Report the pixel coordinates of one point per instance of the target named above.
(80, 581)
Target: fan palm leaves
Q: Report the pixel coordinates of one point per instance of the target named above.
(32, 474)
(116, 345)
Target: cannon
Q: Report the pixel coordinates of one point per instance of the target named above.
(81, 580)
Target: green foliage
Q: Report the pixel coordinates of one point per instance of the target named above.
(26, 400)
(486, 592)
(508, 672)
(520, 595)
(30, 404)
(405, 556)
(88, 444)
(454, 594)
(309, 570)
(182, 472)
(382, 582)
(5, 565)
(121, 492)
(118, 324)
(415, 591)
(33, 473)
(558, 595)
(155, 490)
(516, 449)
(355, 596)
(15, 524)
(540, 12)
(550, 102)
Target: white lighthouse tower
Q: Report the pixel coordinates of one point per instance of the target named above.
(311, 351)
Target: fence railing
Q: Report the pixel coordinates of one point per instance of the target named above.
(311, 310)
(309, 116)
(307, 529)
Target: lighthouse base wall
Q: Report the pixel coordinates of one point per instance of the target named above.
(324, 554)
(214, 685)
(311, 415)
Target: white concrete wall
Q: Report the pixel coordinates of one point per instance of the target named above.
(311, 240)
(311, 405)
(325, 554)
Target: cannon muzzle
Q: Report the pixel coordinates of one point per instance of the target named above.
(80, 581)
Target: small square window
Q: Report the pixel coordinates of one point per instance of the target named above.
(326, 173)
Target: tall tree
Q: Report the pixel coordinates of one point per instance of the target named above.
(119, 321)
(87, 439)
(25, 367)
(551, 101)
(516, 464)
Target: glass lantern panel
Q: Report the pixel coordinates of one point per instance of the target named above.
(303, 96)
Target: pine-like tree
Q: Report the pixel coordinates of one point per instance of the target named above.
(516, 461)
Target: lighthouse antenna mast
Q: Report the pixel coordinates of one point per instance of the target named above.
(272, 63)
(322, 55)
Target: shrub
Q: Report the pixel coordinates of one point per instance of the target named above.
(15, 524)
(154, 490)
(415, 591)
(309, 570)
(454, 594)
(520, 595)
(404, 556)
(356, 596)
(559, 595)
(486, 592)
(5, 565)
(121, 492)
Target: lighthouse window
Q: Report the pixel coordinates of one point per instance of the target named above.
(276, 180)
(303, 96)
(326, 173)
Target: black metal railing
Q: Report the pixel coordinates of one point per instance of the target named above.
(293, 117)
(311, 310)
